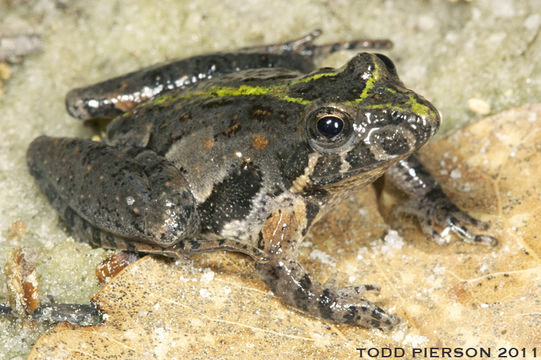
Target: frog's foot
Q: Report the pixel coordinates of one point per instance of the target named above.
(439, 217)
(436, 213)
(304, 45)
(289, 281)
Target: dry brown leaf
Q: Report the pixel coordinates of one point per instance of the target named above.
(22, 283)
(110, 267)
(17, 230)
(459, 295)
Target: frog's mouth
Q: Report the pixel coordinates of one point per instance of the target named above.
(352, 179)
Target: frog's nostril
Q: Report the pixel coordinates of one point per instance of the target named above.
(424, 127)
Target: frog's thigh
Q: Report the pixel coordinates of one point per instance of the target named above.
(112, 197)
(296, 287)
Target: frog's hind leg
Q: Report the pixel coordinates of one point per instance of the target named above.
(80, 314)
(436, 213)
(113, 97)
(304, 45)
(130, 200)
(114, 197)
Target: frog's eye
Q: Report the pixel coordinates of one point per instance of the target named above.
(330, 126)
(328, 129)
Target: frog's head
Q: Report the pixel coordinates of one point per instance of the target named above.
(361, 119)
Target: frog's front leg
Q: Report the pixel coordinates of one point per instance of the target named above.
(114, 197)
(436, 213)
(289, 281)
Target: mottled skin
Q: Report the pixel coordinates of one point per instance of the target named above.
(246, 161)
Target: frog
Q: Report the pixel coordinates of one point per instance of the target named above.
(244, 151)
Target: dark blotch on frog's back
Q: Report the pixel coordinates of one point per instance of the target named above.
(232, 198)
(293, 161)
(216, 102)
(251, 115)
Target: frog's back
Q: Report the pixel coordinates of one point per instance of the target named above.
(232, 138)
(212, 106)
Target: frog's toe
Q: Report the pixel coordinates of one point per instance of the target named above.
(389, 321)
(442, 219)
(441, 238)
(345, 305)
(369, 315)
(485, 239)
(356, 290)
(460, 217)
(359, 290)
(459, 226)
(371, 288)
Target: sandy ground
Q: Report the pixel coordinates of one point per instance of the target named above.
(470, 58)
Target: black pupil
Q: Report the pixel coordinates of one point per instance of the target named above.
(330, 126)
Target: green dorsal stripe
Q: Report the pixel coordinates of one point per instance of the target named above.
(243, 90)
(313, 77)
(278, 91)
(368, 86)
(247, 90)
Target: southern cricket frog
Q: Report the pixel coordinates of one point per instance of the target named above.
(244, 151)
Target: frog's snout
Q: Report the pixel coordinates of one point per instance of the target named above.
(402, 133)
(425, 118)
